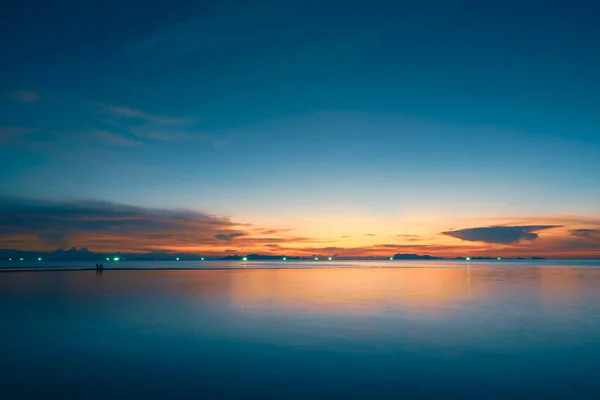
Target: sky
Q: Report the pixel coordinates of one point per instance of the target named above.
(448, 128)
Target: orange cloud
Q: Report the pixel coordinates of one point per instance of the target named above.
(103, 226)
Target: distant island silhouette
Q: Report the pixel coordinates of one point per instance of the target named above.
(415, 257)
(83, 254)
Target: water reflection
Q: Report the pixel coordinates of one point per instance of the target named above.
(560, 285)
(326, 290)
(470, 331)
(352, 290)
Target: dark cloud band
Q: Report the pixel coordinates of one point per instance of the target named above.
(499, 234)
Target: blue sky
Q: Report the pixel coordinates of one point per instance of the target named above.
(272, 111)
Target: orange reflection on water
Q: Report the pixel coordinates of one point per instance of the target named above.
(352, 290)
(431, 291)
(326, 290)
(558, 285)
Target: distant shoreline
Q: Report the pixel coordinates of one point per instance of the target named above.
(221, 265)
(233, 268)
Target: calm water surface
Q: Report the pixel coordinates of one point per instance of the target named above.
(487, 330)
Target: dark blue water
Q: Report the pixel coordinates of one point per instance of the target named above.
(441, 330)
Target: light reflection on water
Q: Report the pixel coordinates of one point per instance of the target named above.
(469, 331)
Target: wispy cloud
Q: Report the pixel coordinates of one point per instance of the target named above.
(10, 133)
(409, 238)
(146, 126)
(499, 234)
(275, 231)
(132, 113)
(152, 132)
(229, 236)
(585, 232)
(116, 139)
(25, 96)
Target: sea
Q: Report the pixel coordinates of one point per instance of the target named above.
(309, 330)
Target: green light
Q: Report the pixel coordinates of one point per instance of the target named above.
(107, 259)
(20, 259)
(330, 258)
(39, 258)
(177, 258)
(10, 259)
(116, 259)
(284, 258)
(499, 258)
(391, 258)
(245, 259)
(202, 259)
(316, 258)
(468, 258)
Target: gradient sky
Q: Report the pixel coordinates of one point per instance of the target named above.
(354, 127)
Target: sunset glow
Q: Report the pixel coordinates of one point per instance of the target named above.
(328, 143)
